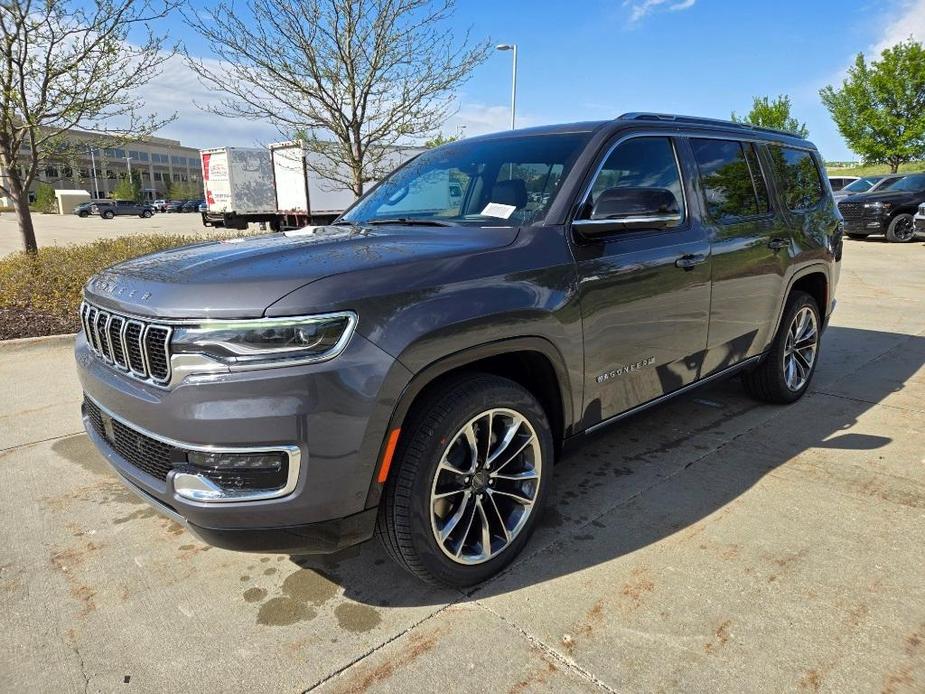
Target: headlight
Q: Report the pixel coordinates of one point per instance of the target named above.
(268, 341)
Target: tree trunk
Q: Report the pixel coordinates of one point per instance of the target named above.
(894, 167)
(357, 181)
(23, 214)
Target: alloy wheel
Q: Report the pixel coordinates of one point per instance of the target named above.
(800, 348)
(485, 486)
(905, 229)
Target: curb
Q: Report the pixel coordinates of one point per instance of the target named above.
(22, 343)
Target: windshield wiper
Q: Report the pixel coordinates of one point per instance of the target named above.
(410, 221)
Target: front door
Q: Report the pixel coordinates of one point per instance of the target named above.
(644, 293)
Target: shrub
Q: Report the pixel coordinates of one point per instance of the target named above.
(40, 294)
(45, 200)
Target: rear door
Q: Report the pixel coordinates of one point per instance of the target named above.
(750, 244)
(644, 293)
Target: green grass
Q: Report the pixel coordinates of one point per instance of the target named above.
(875, 169)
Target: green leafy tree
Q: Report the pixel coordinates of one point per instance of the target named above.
(45, 199)
(773, 113)
(184, 190)
(128, 188)
(880, 107)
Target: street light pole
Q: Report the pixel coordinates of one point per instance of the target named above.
(513, 48)
(96, 185)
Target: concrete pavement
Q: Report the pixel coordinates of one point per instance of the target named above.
(713, 544)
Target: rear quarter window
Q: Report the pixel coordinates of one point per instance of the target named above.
(797, 176)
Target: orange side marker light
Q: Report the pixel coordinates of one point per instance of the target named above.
(387, 458)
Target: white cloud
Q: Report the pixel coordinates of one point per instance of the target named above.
(907, 20)
(641, 8)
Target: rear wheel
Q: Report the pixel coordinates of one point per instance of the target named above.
(788, 368)
(146, 214)
(901, 229)
(468, 483)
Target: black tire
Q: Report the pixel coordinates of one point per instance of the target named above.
(146, 214)
(767, 381)
(857, 237)
(404, 522)
(901, 229)
(108, 215)
(83, 214)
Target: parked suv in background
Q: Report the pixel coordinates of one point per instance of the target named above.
(114, 208)
(85, 209)
(414, 369)
(839, 182)
(888, 212)
(868, 184)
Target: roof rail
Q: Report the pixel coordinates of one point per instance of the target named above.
(697, 120)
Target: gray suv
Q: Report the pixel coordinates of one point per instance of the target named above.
(413, 370)
(114, 208)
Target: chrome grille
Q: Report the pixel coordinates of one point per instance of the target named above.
(136, 347)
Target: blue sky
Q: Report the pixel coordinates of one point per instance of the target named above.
(595, 59)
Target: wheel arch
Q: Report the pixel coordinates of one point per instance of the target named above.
(815, 281)
(533, 362)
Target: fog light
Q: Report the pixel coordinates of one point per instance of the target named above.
(269, 462)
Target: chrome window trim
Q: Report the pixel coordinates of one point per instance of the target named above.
(204, 494)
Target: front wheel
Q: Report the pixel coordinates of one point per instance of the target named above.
(146, 214)
(901, 229)
(469, 480)
(108, 215)
(788, 367)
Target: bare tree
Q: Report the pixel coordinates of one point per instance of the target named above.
(355, 77)
(67, 64)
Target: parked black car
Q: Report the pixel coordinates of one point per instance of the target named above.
(888, 212)
(413, 370)
(174, 205)
(85, 209)
(192, 205)
(113, 208)
(868, 184)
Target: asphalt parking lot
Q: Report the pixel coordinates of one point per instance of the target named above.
(61, 230)
(713, 544)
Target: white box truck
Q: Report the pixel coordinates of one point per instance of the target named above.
(276, 186)
(238, 183)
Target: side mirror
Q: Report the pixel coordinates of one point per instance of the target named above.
(621, 209)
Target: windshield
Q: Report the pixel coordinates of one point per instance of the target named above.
(862, 185)
(503, 182)
(913, 183)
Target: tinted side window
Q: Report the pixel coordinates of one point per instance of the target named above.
(641, 162)
(798, 176)
(727, 180)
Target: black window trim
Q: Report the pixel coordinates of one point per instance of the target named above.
(608, 150)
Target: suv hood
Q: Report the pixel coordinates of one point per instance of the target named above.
(240, 278)
(897, 197)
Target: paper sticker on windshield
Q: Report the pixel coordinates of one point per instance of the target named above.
(496, 209)
(304, 231)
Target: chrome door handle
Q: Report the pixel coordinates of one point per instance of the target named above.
(689, 262)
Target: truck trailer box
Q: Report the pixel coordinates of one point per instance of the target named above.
(238, 180)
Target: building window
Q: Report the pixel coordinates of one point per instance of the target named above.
(176, 177)
(51, 172)
(157, 175)
(183, 177)
(120, 153)
(108, 152)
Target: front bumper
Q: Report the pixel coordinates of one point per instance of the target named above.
(335, 413)
(919, 222)
(868, 224)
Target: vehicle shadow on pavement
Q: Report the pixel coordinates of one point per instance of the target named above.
(664, 471)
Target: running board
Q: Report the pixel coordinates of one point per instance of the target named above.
(725, 373)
